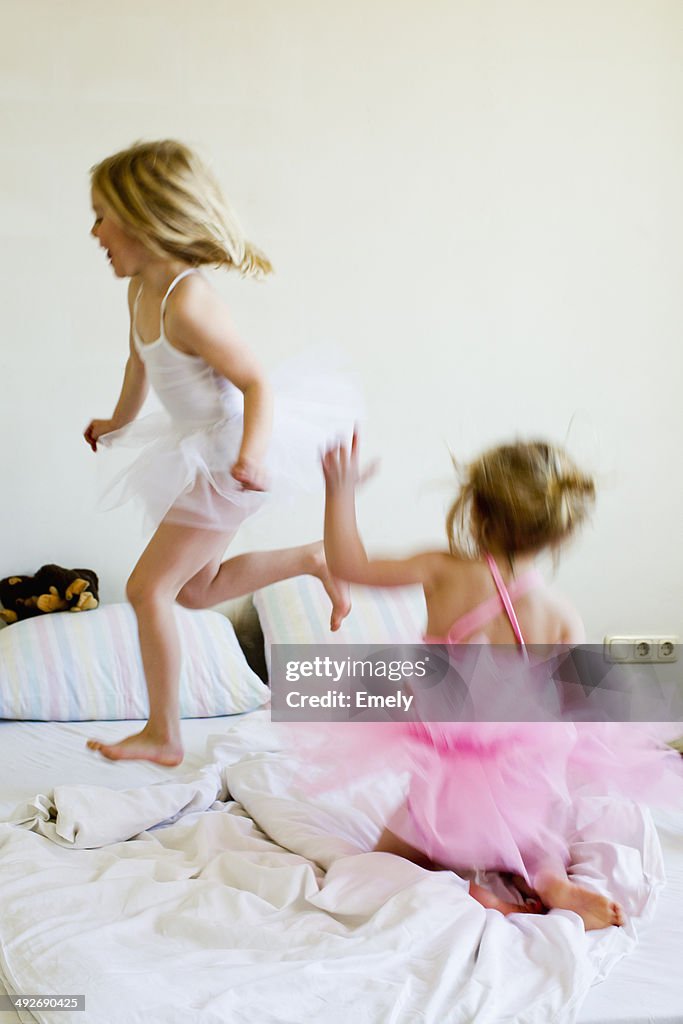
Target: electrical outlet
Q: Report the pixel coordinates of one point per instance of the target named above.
(666, 650)
(634, 649)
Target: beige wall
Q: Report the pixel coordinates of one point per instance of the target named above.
(479, 201)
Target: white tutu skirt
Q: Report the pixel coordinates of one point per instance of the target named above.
(182, 472)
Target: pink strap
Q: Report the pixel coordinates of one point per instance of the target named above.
(507, 603)
(473, 620)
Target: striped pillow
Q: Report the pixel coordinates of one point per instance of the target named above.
(297, 611)
(74, 668)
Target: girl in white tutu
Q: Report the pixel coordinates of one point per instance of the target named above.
(222, 442)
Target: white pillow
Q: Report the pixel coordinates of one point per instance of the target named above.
(68, 667)
(297, 611)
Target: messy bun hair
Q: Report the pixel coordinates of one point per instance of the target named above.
(518, 499)
(166, 198)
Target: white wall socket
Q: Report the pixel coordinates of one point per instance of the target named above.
(650, 648)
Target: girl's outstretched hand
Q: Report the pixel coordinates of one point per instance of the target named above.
(95, 429)
(250, 475)
(341, 466)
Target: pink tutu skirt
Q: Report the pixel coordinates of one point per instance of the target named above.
(499, 796)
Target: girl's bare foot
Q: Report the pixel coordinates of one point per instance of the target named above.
(337, 590)
(530, 897)
(143, 746)
(596, 911)
(492, 902)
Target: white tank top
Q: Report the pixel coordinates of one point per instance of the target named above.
(191, 391)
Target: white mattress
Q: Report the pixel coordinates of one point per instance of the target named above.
(644, 988)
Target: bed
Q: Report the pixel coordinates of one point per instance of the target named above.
(223, 891)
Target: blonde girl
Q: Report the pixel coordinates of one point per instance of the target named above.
(493, 795)
(209, 458)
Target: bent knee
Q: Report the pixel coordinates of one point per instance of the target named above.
(141, 590)
(193, 596)
(188, 597)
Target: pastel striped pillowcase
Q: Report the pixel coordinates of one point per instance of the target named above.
(297, 611)
(69, 667)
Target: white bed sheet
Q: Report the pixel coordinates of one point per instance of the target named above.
(646, 987)
(35, 756)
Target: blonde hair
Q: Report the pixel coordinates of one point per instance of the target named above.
(166, 198)
(518, 498)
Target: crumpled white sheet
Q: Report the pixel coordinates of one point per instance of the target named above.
(173, 904)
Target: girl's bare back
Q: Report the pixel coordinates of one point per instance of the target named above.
(460, 585)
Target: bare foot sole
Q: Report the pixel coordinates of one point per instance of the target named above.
(487, 899)
(337, 590)
(596, 911)
(141, 747)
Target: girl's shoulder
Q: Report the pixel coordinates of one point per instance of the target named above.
(190, 293)
(452, 571)
(459, 565)
(563, 620)
(548, 616)
(195, 309)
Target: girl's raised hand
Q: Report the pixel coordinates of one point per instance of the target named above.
(95, 429)
(341, 466)
(250, 475)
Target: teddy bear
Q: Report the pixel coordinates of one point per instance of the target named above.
(52, 589)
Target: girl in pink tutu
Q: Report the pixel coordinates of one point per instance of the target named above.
(488, 795)
(221, 442)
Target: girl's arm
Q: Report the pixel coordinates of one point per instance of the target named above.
(344, 551)
(258, 421)
(197, 317)
(133, 390)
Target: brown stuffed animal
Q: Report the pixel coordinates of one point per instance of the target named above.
(52, 589)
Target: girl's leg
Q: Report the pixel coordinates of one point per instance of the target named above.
(390, 843)
(546, 867)
(167, 563)
(492, 902)
(165, 572)
(243, 574)
(558, 892)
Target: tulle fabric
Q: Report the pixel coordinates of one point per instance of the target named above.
(498, 795)
(182, 472)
